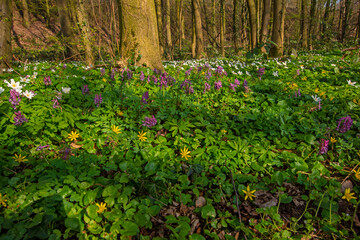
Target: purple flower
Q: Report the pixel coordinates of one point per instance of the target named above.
(64, 66)
(155, 80)
(319, 105)
(112, 75)
(298, 72)
(102, 71)
(344, 124)
(56, 103)
(237, 82)
(145, 97)
(47, 81)
(245, 84)
(207, 87)
(85, 89)
(129, 74)
(149, 122)
(41, 147)
(67, 151)
(163, 83)
(157, 71)
(14, 98)
(324, 146)
(232, 86)
(187, 73)
(142, 76)
(190, 90)
(186, 85)
(299, 93)
(98, 99)
(208, 75)
(19, 119)
(261, 72)
(218, 85)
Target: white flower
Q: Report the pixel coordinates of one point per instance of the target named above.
(351, 83)
(25, 80)
(14, 85)
(28, 94)
(247, 73)
(276, 74)
(316, 98)
(1, 90)
(66, 89)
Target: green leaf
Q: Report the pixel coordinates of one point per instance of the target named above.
(208, 211)
(72, 223)
(92, 211)
(197, 237)
(130, 229)
(94, 228)
(89, 197)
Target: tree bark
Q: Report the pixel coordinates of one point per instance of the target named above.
(85, 31)
(236, 20)
(304, 24)
(222, 27)
(265, 22)
(25, 10)
(325, 23)
(278, 28)
(167, 24)
(312, 22)
(5, 33)
(66, 29)
(253, 24)
(346, 17)
(159, 25)
(358, 27)
(139, 33)
(198, 29)
(180, 19)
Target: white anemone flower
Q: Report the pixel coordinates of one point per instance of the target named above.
(351, 83)
(316, 98)
(276, 73)
(1, 90)
(66, 89)
(28, 94)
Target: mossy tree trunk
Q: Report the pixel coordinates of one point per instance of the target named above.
(85, 31)
(25, 10)
(167, 24)
(253, 24)
(222, 27)
(139, 32)
(325, 22)
(199, 52)
(159, 25)
(304, 24)
(346, 18)
(265, 22)
(236, 24)
(278, 28)
(312, 22)
(66, 30)
(5, 33)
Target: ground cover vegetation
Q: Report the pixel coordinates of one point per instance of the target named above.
(206, 149)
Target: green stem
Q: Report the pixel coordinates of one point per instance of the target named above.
(352, 219)
(307, 204)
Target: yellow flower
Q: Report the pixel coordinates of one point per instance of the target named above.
(120, 113)
(356, 102)
(357, 173)
(142, 137)
(293, 86)
(115, 129)
(347, 195)
(249, 193)
(332, 98)
(104, 80)
(73, 136)
(102, 207)
(333, 140)
(322, 93)
(19, 158)
(316, 90)
(185, 153)
(323, 71)
(223, 131)
(2, 200)
(304, 78)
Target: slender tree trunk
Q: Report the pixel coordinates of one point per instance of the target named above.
(214, 32)
(139, 32)
(244, 22)
(5, 33)
(358, 26)
(325, 23)
(159, 24)
(222, 27)
(278, 28)
(193, 35)
(345, 22)
(167, 24)
(25, 10)
(265, 22)
(304, 24)
(198, 29)
(85, 31)
(312, 22)
(236, 24)
(180, 19)
(341, 15)
(253, 24)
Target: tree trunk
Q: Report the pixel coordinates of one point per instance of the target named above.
(167, 24)
(304, 24)
(278, 28)
(5, 33)
(66, 29)
(159, 24)
(193, 35)
(236, 24)
(252, 19)
(325, 23)
(358, 26)
(85, 30)
(139, 33)
(198, 29)
(25, 10)
(312, 22)
(345, 22)
(214, 21)
(222, 27)
(265, 22)
(180, 19)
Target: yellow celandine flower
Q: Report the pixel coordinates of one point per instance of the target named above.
(304, 78)
(223, 131)
(357, 173)
(316, 90)
(104, 80)
(115, 129)
(323, 71)
(322, 93)
(142, 137)
(2, 200)
(185, 153)
(102, 207)
(333, 140)
(332, 98)
(19, 158)
(347, 195)
(356, 102)
(293, 86)
(73, 136)
(120, 113)
(249, 193)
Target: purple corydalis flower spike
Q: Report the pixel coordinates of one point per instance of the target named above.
(19, 119)
(150, 122)
(344, 124)
(324, 146)
(145, 97)
(98, 99)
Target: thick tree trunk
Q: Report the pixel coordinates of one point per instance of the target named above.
(159, 25)
(198, 29)
(236, 20)
(346, 18)
(253, 24)
(5, 33)
(325, 23)
(139, 32)
(66, 29)
(304, 24)
(180, 20)
(25, 10)
(222, 27)
(265, 22)
(278, 28)
(167, 24)
(85, 31)
(193, 35)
